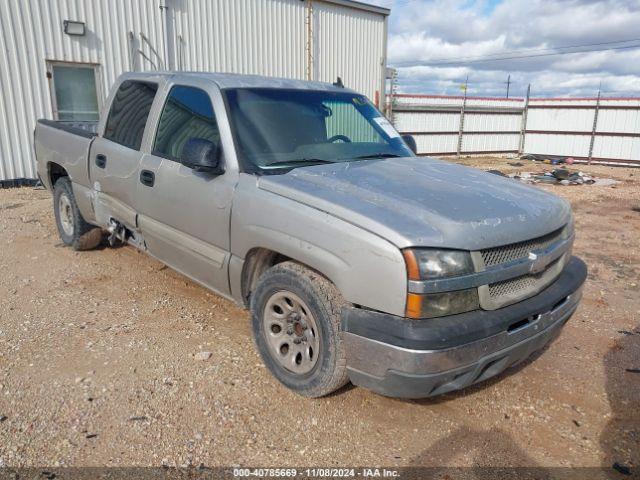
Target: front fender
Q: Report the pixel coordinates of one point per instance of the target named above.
(367, 269)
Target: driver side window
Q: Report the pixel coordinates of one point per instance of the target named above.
(187, 113)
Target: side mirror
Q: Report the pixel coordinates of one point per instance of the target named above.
(202, 156)
(411, 143)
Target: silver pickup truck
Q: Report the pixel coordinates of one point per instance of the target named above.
(358, 260)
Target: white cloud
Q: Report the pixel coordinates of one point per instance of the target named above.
(425, 32)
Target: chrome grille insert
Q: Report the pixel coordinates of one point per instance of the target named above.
(513, 290)
(516, 251)
(515, 286)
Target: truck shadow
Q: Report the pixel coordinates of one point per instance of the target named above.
(620, 438)
(493, 454)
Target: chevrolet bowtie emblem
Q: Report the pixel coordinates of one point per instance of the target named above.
(537, 264)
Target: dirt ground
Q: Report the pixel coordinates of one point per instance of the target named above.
(97, 365)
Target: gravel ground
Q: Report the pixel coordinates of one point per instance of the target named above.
(99, 365)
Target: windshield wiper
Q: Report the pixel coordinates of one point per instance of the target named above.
(299, 162)
(379, 155)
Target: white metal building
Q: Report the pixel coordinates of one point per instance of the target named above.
(58, 58)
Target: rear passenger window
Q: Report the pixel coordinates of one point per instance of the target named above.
(129, 113)
(187, 113)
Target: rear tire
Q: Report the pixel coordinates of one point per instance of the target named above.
(72, 227)
(295, 315)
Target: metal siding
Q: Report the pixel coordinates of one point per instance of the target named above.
(627, 148)
(31, 34)
(560, 119)
(348, 44)
(493, 142)
(557, 144)
(491, 129)
(265, 37)
(627, 121)
(485, 122)
(436, 143)
(427, 122)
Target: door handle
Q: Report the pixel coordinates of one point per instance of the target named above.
(147, 177)
(101, 160)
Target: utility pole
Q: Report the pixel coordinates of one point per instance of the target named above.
(392, 75)
(462, 109)
(309, 44)
(595, 125)
(508, 84)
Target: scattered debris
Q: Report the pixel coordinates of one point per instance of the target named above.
(626, 332)
(141, 418)
(516, 164)
(3, 418)
(559, 176)
(91, 435)
(577, 423)
(623, 469)
(202, 356)
(561, 173)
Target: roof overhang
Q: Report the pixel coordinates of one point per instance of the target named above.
(360, 6)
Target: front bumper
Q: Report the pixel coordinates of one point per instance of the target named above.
(406, 358)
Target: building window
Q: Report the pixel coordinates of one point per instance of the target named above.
(75, 92)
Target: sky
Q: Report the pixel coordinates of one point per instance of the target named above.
(435, 44)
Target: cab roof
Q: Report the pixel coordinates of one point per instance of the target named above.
(235, 80)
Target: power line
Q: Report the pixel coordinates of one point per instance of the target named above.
(497, 59)
(524, 50)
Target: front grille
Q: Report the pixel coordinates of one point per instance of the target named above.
(517, 286)
(516, 251)
(513, 290)
(514, 285)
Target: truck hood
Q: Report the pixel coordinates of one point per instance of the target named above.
(418, 201)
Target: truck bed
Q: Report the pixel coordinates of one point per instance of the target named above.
(66, 144)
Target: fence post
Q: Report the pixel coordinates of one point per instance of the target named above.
(523, 123)
(461, 129)
(595, 126)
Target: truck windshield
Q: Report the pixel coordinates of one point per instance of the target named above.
(289, 128)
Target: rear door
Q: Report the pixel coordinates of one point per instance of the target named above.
(184, 214)
(115, 154)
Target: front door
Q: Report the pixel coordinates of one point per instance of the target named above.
(184, 214)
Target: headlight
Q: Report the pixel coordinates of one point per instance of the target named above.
(440, 304)
(432, 264)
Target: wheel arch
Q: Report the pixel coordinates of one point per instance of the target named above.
(258, 260)
(55, 171)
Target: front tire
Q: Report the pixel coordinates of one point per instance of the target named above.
(74, 231)
(295, 315)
